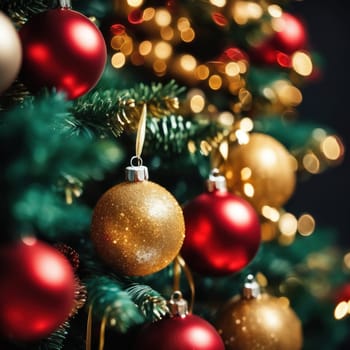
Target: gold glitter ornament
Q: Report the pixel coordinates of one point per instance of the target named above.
(262, 170)
(257, 321)
(137, 226)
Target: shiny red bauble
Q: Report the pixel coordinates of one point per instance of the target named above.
(222, 233)
(37, 290)
(190, 332)
(289, 35)
(63, 49)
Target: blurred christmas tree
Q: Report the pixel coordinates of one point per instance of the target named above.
(204, 96)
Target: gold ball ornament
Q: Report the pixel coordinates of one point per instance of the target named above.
(262, 170)
(259, 322)
(10, 52)
(137, 228)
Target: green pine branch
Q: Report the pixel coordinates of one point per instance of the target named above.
(116, 111)
(108, 300)
(21, 10)
(152, 305)
(173, 133)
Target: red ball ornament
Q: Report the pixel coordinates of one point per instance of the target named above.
(63, 49)
(37, 290)
(289, 35)
(222, 231)
(180, 331)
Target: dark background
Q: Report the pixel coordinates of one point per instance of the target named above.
(326, 196)
(326, 101)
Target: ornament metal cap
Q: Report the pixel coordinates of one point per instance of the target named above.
(178, 306)
(136, 173)
(216, 182)
(251, 288)
(65, 4)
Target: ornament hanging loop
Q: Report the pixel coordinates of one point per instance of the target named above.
(179, 265)
(65, 4)
(137, 172)
(141, 131)
(136, 159)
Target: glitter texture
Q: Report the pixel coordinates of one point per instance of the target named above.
(137, 228)
(264, 323)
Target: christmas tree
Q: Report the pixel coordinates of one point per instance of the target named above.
(151, 157)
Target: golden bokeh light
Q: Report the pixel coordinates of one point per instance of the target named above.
(232, 69)
(188, 62)
(261, 279)
(341, 310)
(246, 173)
(163, 50)
(243, 67)
(346, 260)
(197, 103)
(205, 147)
(118, 60)
(236, 84)
(226, 118)
(288, 94)
(191, 146)
(148, 14)
(302, 64)
(248, 190)
(311, 163)
(306, 225)
(274, 11)
(243, 11)
(332, 148)
(288, 224)
(223, 149)
(242, 137)
(187, 35)
(270, 213)
(183, 24)
(127, 46)
(135, 3)
(246, 124)
(215, 82)
(159, 67)
(162, 17)
(145, 48)
(117, 41)
(202, 72)
(167, 33)
(218, 3)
